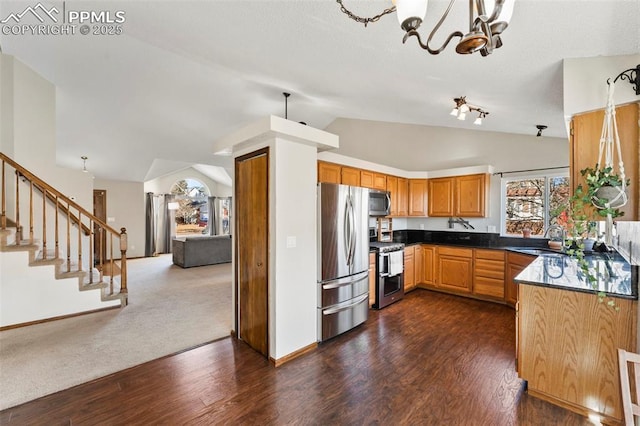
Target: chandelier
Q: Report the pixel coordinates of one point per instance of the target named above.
(487, 21)
(462, 108)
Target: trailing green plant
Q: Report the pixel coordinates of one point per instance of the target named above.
(596, 178)
(584, 207)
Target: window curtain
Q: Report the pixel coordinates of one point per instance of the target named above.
(169, 229)
(150, 225)
(213, 216)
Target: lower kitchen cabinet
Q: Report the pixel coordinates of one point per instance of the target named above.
(372, 279)
(567, 348)
(516, 262)
(455, 269)
(488, 273)
(418, 264)
(429, 272)
(409, 271)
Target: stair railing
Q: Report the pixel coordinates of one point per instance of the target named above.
(92, 235)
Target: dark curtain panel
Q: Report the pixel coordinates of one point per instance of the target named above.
(213, 216)
(168, 231)
(150, 226)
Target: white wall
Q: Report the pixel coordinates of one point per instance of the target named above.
(294, 204)
(585, 82)
(163, 184)
(125, 208)
(29, 130)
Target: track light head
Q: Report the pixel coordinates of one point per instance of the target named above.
(540, 128)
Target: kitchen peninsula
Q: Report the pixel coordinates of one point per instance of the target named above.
(567, 339)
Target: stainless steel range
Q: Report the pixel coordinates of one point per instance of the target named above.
(389, 273)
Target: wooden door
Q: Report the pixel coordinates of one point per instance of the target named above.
(99, 240)
(441, 197)
(252, 220)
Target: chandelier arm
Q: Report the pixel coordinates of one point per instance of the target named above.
(435, 29)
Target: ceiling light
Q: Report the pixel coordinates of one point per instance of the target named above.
(84, 163)
(540, 128)
(487, 21)
(462, 108)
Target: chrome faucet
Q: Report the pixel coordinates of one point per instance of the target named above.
(461, 221)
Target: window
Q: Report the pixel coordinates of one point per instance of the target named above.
(534, 203)
(192, 215)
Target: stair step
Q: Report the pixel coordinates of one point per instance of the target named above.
(25, 245)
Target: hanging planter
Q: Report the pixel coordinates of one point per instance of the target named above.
(615, 196)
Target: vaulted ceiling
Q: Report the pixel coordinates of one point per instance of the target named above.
(184, 73)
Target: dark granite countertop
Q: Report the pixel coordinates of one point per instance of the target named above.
(552, 268)
(614, 275)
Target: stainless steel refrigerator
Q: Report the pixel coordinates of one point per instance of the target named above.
(343, 258)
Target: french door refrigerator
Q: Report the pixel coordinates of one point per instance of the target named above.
(343, 258)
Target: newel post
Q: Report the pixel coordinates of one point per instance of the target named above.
(123, 264)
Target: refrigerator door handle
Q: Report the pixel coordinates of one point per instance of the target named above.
(353, 230)
(345, 281)
(349, 306)
(346, 231)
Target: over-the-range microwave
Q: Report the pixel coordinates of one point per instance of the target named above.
(379, 203)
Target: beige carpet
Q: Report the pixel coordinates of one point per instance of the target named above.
(170, 309)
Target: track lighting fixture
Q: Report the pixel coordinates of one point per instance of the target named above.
(462, 108)
(540, 128)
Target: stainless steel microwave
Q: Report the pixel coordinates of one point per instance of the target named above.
(379, 203)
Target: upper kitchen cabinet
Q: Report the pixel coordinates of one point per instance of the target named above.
(373, 180)
(402, 197)
(471, 192)
(463, 196)
(441, 197)
(417, 197)
(392, 187)
(586, 130)
(329, 172)
(350, 176)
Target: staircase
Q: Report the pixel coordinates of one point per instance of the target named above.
(48, 265)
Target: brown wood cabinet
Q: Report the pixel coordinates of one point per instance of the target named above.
(586, 130)
(392, 187)
(350, 176)
(417, 197)
(403, 197)
(488, 273)
(567, 349)
(455, 269)
(329, 172)
(373, 180)
(372, 279)
(441, 197)
(409, 271)
(516, 262)
(428, 265)
(463, 196)
(470, 195)
(418, 264)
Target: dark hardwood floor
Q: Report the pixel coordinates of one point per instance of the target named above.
(430, 359)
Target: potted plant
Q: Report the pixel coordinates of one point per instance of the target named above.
(604, 190)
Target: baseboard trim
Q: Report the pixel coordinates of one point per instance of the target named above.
(42, 321)
(293, 355)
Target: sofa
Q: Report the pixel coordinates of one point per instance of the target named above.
(201, 250)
